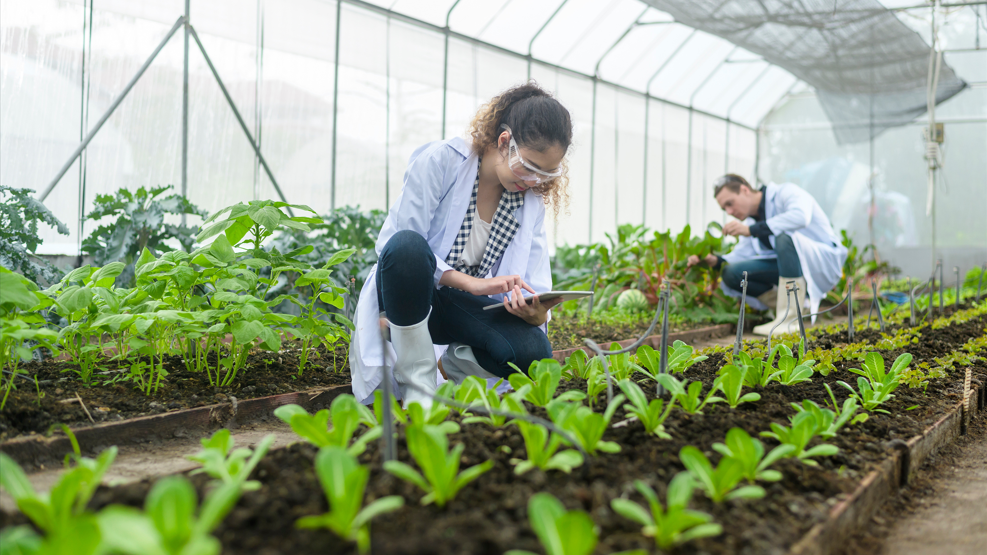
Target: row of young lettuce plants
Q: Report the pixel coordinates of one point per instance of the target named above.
(171, 523)
(212, 306)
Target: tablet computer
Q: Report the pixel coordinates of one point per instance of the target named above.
(566, 296)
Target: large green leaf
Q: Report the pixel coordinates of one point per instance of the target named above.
(14, 291)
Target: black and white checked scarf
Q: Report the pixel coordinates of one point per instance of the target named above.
(502, 232)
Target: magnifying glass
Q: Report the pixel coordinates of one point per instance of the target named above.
(715, 229)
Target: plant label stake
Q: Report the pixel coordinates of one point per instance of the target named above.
(663, 356)
(911, 302)
(798, 312)
(966, 401)
(849, 309)
(876, 305)
(740, 319)
(956, 270)
(390, 450)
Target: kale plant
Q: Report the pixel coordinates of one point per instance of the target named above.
(20, 214)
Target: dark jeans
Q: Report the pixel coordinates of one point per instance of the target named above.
(763, 274)
(406, 292)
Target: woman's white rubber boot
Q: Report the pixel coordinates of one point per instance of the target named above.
(458, 363)
(782, 306)
(415, 368)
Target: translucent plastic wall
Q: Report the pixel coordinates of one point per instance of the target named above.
(797, 145)
(660, 110)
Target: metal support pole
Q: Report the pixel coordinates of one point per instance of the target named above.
(185, 111)
(980, 282)
(941, 278)
(849, 308)
(239, 118)
(877, 304)
(740, 318)
(663, 355)
(911, 303)
(592, 162)
(592, 289)
(335, 109)
(959, 286)
(798, 315)
(112, 108)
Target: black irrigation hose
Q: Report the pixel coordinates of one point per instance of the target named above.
(5, 371)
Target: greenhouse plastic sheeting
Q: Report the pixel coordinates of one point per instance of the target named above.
(869, 69)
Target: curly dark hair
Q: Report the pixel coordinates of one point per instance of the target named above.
(537, 121)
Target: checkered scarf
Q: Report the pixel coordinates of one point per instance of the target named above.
(502, 232)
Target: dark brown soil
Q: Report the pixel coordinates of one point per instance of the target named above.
(490, 516)
(568, 331)
(265, 374)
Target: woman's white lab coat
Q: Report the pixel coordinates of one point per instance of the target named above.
(433, 202)
(791, 209)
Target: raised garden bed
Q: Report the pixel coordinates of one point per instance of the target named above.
(803, 512)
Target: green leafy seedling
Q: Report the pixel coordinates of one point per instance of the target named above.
(585, 425)
(621, 366)
(543, 452)
(673, 525)
(689, 398)
(440, 478)
(749, 452)
(757, 372)
(828, 422)
(731, 383)
(650, 414)
(804, 427)
(719, 484)
(543, 381)
(220, 461)
(560, 532)
(869, 397)
(474, 392)
(344, 482)
(347, 415)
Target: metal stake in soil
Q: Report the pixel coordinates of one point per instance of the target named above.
(940, 285)
(876, 305)
(959, 284)
(592, 290)
(983, 270)
(798, 312)
(911, 302)
(932, 288)
(849, 309)
(390, 449)
(788, 306)
(740, 319)
(663, 356)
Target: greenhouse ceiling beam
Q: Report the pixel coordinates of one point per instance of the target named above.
(109, 112)
(596, 69)
(185, 111)
(236, 113)
(466, 38)
(445, 53)
(531, 42)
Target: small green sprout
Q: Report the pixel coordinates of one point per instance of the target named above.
(650, 414)
(543, 452)
(220, 461)
(344, 482)
(579, 365)
(621, 366)
(587, 426)
(474, 392)
(347, 415)
(749, 452)
(731, 383)
(560, 532)
(543, 381)
(758, 372)
(719, 484)
(804, 427)
(442, 480)
(673, 525)
(869, 397)
(690, 399)
(828, 422)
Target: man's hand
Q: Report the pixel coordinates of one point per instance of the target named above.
(709, 259)
(736, 228)
(532, 310)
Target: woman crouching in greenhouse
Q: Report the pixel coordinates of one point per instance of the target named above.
(784, 236)
(467, 231)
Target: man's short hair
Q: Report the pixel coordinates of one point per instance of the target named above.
(731, 182)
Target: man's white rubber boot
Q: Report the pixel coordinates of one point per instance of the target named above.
(782, 306)
(769, 298)
(415, 367)
(458, 363)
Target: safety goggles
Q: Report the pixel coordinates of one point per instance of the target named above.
(524, 170)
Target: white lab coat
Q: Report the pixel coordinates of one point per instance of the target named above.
(433, 202)
(791, 209)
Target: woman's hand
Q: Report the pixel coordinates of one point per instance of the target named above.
(531, 310)
(496, 285)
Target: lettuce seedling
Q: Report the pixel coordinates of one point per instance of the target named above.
(435, 415)
(344, 482)
(802, 430)
(596, 383)
(869, 397)
(168, 525)
(560, 532)
(585, 425)
(758, 372)
(220, 461)
(828, 422)
(719, 484)
(544, 381)
(749, 452)
(543, 452)
(731, 383)
(791, 371)
(58, 512)
(397, 412)
(347, 415)
(650, 414)
(874, 369)
(474, 392)
(621, 366)
(690, 399)
(672, 526)
(578, 365)
(442, 480)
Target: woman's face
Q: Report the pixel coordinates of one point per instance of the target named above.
(548, 160)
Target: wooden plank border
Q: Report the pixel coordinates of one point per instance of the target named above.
(36, 451)
(853, 513)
